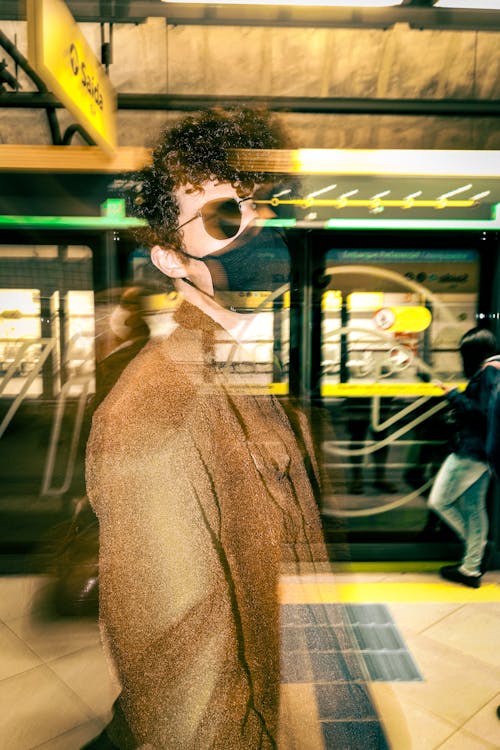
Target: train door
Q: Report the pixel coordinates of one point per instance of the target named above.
(47, 378)
(390, 318)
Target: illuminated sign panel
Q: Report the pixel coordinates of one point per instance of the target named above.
(60, 54)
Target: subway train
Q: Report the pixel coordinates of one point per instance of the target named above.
(369, 315)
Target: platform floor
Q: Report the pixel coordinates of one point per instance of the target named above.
(56, 690)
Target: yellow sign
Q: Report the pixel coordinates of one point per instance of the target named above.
(61, 56)
(403, 319)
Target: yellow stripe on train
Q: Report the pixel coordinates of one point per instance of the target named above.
(351, 390)
(346, 390)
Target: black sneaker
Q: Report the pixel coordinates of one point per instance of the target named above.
(452, 573)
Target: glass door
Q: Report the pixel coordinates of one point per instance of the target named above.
(391, 322)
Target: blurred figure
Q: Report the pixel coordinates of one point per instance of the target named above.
(201, 490)
(70, 552)
(137, 317)
(459, 491)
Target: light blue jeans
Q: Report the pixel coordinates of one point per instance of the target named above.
(458, 495)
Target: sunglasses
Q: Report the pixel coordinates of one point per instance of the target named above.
(221, 217)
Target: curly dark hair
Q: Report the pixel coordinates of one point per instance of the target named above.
(194, 151)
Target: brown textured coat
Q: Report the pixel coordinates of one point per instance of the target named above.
(200, 495)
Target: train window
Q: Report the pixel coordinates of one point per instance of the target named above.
(47, 363)
(395, 317)
(391, 323)
(21, 344)
(80, 336)
(46, 318)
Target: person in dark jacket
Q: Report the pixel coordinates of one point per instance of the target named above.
(493, 440)
(458, 495)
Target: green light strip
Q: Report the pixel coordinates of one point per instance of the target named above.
(456, 224)
(130, 222)
(492, 224)
(70, 222)
(287, 223)
(402, 224)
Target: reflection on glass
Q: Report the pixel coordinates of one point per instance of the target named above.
(391, 322)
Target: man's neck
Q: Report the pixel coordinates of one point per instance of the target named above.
(231, 321)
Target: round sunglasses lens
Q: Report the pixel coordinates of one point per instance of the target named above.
(222, 219)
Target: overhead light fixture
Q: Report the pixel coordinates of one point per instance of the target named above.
(383, 162)
(468, 4)
(320, 192)
(456, 191)
(479, 196)
(303, 3)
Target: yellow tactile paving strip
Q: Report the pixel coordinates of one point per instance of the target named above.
(373, 593)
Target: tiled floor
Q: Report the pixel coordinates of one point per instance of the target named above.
(56, 690)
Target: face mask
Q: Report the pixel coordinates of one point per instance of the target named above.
(257, 260)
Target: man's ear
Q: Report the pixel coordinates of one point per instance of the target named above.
(168, 262)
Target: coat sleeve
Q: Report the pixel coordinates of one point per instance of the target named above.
(473, 403)
(462, 403)
(493, 439)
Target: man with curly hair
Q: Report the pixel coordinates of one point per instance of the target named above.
(201, 490)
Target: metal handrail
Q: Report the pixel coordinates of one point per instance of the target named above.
(15, 364)
(47, 347)
(47, 488)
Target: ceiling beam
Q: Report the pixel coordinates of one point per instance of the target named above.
(61, 159)
(434, 163)
(312, 105)
(136, 11)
